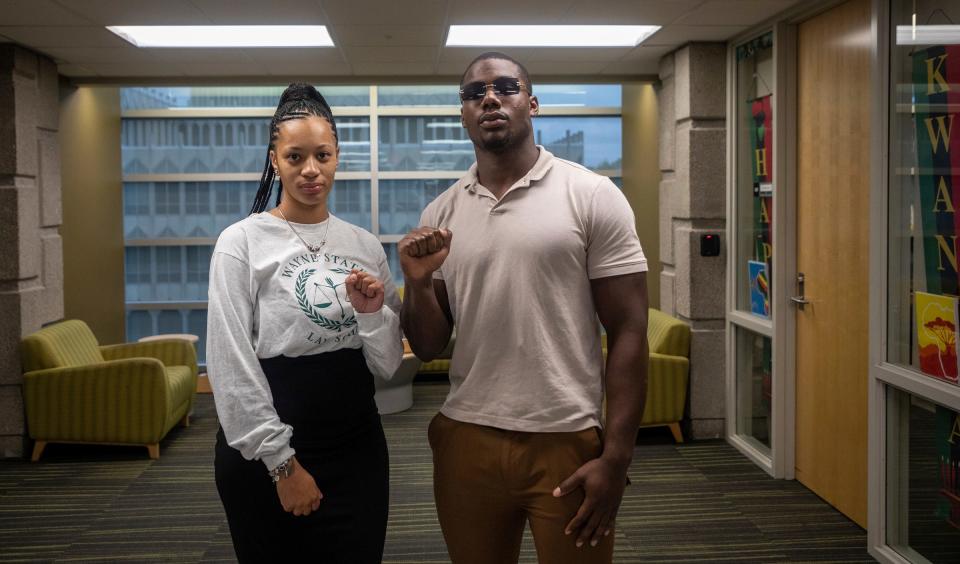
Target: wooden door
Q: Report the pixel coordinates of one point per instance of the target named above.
(833, 211)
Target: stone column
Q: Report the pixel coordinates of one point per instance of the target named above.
(31, 257)
(692, 99)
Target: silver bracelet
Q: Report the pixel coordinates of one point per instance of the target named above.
(283, 470)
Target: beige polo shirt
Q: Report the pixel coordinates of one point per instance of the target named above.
(528, 356)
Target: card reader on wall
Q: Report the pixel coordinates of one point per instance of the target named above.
(710, 245)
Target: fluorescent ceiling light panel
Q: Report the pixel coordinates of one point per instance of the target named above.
(548, 35)
(224, 36)
(928, 35)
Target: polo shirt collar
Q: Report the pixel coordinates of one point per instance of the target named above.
(537, 172)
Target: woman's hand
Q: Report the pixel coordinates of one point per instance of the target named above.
(298, 492)
(364, 291)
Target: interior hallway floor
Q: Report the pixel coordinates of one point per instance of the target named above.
(696, 502)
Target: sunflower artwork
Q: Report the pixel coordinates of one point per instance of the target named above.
(937, 335)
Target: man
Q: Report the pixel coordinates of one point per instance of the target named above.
(522, 255)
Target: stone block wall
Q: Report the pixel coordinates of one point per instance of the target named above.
(31, 253)
(692, 101)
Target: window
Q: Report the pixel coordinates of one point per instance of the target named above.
(920, 431)
(168, 266)
(200, 173)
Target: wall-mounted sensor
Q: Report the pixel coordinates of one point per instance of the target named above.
(710, 245)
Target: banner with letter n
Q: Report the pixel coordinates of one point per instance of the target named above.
(936, 101)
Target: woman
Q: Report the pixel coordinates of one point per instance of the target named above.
(297, 325)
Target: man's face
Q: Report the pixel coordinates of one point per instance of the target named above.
(497, 122)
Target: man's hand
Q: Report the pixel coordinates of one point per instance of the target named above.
(298, 492)
(603, 482)
(364, 291)
(422, 251)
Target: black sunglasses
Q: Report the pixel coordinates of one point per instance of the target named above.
(502, 86)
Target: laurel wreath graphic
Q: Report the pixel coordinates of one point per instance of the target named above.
(309, 310)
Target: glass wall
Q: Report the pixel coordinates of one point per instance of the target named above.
(751, 263)
(923, 479)
(754, 385)
(920, 499)
(754, 176)
(924, 183)
(188, 176)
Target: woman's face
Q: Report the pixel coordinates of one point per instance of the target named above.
(305, 155)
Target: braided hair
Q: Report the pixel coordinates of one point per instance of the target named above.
(298, 101)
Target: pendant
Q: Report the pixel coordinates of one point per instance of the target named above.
(315, 248)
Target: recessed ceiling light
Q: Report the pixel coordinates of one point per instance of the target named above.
(548, 35)
(224, 35)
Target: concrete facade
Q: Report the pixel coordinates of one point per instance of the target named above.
(31, 252)
(692, 102)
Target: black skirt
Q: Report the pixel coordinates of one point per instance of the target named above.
(328, 400)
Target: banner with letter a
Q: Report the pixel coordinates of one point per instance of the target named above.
(936, 99)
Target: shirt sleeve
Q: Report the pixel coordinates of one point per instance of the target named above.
(380, 331)
(613, 247)
(240, 388)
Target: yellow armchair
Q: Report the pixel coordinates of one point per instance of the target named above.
(76, 391)
(668, 373)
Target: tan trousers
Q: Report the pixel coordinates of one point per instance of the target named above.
(489, 482)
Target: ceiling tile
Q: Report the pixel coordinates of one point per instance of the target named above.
(304, 70)
(386, 12)
(288, 57)
(530, 54)
(346, 35)
(63, 36)
(138, 12)
(67, 69)
(646, 52)
(735, 12)
(126, 54)
(562, 67)
(402, 53)
(678, 35)
(135, 69)
(259, 12)
(627, 12)
(398, 69)
(507, 11)
(632, 67)
(199, 55)
(39, 12)
(221, 69)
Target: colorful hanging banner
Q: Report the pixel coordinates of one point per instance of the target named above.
(936, 100)
(761, 157)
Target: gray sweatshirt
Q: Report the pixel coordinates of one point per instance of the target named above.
(270, 296)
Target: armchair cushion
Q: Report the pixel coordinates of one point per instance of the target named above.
(69, 343)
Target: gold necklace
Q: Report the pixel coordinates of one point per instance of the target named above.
(311, 248)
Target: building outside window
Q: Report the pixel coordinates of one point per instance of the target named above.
(189, 173)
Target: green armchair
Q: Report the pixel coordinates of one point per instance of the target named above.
(76, 391)
(668, 373)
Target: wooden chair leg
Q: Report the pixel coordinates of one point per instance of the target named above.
(154, 451)
(38, 447)
(185, 422)
(675, 429)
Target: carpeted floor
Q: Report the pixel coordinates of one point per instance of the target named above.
(700, 501)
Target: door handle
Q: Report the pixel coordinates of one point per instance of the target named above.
(801, 300)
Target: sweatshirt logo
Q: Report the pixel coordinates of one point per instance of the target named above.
(317, 298)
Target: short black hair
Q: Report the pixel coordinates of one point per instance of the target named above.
(524, 75)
